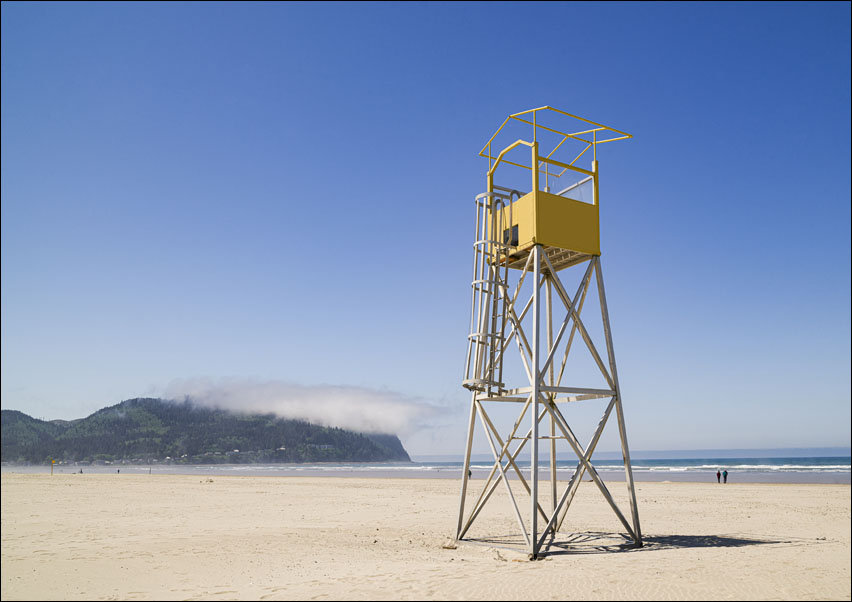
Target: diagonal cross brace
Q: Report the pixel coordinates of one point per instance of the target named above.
(575, 445)
(571, 336)
(511, 457)
(590, 449)
(571, 310)
(476, 506)
(576, 478)
(489, 486)
(510, 306)
(571, 315)
(505, 480)
(517, 328)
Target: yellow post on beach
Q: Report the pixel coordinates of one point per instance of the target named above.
(52, 462)
(542, 220)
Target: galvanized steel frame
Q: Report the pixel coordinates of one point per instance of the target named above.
(494, 294)
(493, 311)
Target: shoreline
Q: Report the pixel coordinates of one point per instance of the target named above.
(413, 471)
(663, 480)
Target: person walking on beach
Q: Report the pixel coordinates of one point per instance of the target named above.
(725, 476)
(718, 477)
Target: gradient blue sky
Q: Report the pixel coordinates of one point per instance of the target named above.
(283, 193)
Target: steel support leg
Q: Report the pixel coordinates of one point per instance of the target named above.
(466, 468)
(536, 388)
(619, 412)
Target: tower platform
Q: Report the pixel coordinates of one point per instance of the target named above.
(560, 258)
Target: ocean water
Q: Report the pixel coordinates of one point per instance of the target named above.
(833, 469)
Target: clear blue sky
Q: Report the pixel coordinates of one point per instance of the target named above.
(283, 193)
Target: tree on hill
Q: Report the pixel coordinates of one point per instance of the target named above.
(146, 428)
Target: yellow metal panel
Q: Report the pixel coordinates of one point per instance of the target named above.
(566, 223)
(554, 221)
(521, 213)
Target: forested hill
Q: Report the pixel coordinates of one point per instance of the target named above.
(141, 430)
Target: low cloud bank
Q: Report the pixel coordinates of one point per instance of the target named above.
(355, 408)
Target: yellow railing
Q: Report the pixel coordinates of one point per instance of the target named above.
(539, 160)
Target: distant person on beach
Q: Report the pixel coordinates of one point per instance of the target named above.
(725, 476)
(718, 477)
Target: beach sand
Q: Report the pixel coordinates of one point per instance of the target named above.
(189, 537)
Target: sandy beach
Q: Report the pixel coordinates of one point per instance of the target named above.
(186, 538)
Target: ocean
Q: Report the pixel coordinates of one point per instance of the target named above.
(827, 469)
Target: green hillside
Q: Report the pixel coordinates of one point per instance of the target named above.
(140, 430)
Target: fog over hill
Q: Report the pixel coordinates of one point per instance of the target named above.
(140, 430)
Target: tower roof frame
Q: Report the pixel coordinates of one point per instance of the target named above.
(567, 122)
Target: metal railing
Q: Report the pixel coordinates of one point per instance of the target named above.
(545, 164)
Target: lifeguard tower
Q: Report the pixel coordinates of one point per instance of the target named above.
(537, 227)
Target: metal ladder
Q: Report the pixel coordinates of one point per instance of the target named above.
(489, 292)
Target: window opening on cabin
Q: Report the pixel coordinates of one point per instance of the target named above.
(510, 236)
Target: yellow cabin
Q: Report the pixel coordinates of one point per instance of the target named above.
(554, 221)
(561, 209)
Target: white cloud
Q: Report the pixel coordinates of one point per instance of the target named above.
(355, 408)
